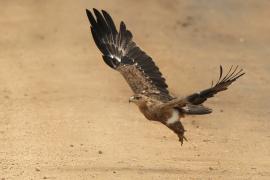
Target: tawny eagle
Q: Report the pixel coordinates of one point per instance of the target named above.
(143, 76)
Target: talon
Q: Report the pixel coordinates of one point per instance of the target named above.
(182, 138)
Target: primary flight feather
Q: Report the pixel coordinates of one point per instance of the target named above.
(151, 95)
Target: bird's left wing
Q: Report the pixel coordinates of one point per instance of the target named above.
(122, 54)
(222, 84)
(196, 99)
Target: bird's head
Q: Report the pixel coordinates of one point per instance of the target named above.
(137, 99)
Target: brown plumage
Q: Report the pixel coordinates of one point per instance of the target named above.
(143, 76)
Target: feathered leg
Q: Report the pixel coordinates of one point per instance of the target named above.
(178, 129)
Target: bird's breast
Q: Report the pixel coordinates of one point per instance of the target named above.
(166, 117)
(147, 112)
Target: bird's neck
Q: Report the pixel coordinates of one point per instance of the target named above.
(142, 105)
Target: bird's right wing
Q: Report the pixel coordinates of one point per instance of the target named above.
(122, 54)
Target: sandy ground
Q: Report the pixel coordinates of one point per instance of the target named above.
(65, 115)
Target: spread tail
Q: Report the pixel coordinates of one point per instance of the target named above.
(196, 109)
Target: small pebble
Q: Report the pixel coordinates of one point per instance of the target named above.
(37, 169)
(185, 24)
(100, 152)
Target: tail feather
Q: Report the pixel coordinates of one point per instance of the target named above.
(196, 109)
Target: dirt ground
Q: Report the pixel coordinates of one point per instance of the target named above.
(65, 115)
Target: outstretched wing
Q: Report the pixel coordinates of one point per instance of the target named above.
(122, 54)
(222, 84)
(194, 101)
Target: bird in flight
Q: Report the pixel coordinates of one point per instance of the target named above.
(151, 93)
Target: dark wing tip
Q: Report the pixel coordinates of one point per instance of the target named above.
(109, 21)
(122, 27)
(91, 18)
(88, 13)
(104, 12)
(95, 10)
(232, 75)
(122, 24)
(238, 76)
(220, 73)
(98, 14)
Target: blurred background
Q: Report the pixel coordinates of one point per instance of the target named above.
(65, 115)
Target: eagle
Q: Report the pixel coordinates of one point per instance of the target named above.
(151, 94)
